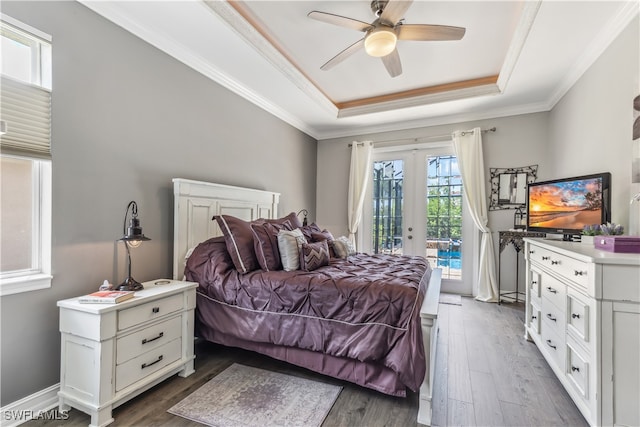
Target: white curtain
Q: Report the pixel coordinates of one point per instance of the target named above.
(468, 149)
(358, 180)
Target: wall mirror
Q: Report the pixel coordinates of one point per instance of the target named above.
(509, 186)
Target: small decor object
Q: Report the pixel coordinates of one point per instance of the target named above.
(520, 219)
(106, 297)
(106, 286)
(589, 232)
(305, 213)
(623, 244)
(133, 237)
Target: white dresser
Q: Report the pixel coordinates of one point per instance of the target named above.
(583, 313)
(113, 352)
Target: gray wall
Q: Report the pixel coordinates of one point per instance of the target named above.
(126, 119)
(590, 128)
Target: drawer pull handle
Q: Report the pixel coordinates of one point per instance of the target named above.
(155, 310)
(534, 317)
(146, 365)
(575, 316)
(555, 262)
(550, 317)
(532, 252)
(580, 273)
(574, 369)
(550, 344)
(545, 258)
(160, 335)
(534, 282)
(550, 289)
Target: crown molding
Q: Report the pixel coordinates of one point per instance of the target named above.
(487, 114)
(529, 13)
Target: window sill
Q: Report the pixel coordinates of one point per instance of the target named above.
(16, 285)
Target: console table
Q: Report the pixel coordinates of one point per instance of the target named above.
(515, 239)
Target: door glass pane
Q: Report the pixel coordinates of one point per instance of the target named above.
(444, 216)
(388, 179)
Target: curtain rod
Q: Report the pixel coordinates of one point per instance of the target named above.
(493, 129)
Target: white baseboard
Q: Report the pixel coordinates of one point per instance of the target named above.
(30, 407)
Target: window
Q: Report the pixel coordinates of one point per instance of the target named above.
(444, 215)
(25, 159)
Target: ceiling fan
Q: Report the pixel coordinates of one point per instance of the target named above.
(383, 33)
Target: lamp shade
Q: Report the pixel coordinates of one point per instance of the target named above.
(134, 235)
(380, 42)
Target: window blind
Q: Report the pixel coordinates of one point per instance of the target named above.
(26, 110)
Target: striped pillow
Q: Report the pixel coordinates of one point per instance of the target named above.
(314, 255)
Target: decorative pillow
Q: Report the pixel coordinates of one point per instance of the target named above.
(292, 218)
(239, 240)
(317, 236)
(314, 255)
(265, 243)
(308, 229)
(343, 247)
(289, 242)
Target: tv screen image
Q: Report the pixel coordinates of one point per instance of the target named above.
(567, 205)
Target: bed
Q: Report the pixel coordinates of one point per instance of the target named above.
(367, 319)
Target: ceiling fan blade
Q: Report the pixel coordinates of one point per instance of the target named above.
(394, 11)
(343, 55)
(392, 63)
(341, 21)
(429, 32)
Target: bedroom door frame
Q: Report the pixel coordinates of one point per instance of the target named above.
(414, 209)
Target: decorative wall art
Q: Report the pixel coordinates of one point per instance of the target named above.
(509, 186)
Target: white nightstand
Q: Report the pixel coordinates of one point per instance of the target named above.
(113, 352)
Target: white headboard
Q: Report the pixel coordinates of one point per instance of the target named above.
(196, 202)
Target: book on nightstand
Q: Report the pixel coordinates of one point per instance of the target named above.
(106, 297)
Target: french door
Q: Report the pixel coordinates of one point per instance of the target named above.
(415, 206)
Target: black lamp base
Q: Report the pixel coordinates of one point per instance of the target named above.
(130, 284)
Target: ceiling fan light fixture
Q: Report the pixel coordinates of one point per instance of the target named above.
(380, 42)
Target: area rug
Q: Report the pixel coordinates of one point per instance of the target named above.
(451, 299)
(243, 396)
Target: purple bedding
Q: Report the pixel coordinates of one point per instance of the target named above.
(356, 319)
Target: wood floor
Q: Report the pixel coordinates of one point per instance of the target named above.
(487, 375)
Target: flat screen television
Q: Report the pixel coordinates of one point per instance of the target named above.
(564, 206)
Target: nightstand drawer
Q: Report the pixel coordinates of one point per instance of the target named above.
(147, 363)
(149, 338)
(151, 310)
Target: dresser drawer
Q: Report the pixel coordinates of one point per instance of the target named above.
(133, 345)
(535, 286)
(568, 268)
(553, 318)
(147, 363)
(154, 309)
(554, 291)
(578, 316)
(536, 318)
(553, 345)
(578, 370)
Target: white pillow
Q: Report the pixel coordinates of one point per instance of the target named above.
(289, 243)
